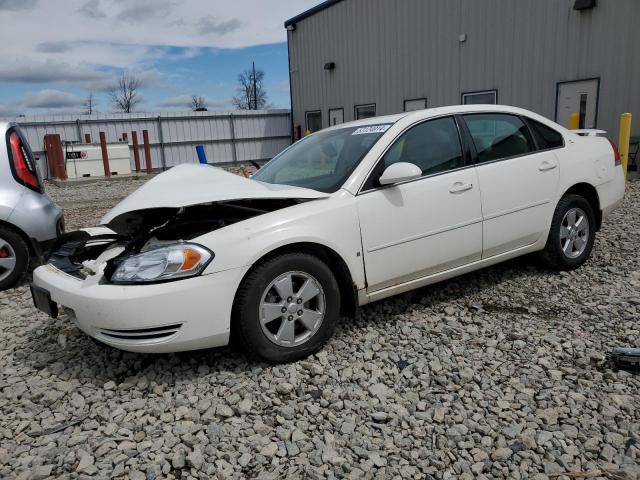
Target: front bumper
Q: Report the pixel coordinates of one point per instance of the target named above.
(187, 314)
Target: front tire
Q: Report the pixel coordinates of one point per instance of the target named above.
(287, 307)
(572, 234)
(14, 258)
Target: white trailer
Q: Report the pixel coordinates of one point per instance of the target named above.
(85, 160)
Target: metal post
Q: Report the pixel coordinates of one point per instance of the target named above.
(147, 150)
(202, 156)
(79, 130)
(136, 150)
(574, 121)
(105, 155)
(234, 153)
(53, 146)
(161, 140)
(60, 159)
(625, 137)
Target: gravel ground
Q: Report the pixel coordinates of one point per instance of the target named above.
(497, 374)
(84, 205)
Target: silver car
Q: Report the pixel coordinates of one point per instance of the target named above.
(29, 221)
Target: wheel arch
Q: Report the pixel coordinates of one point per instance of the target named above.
(590, 194)
(21, 234)
(333, 260)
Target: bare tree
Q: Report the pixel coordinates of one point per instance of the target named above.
(198, 104)
(251, 92)
(125, 95)
(89, 104)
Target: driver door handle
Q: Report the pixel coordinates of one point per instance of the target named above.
(459, 187)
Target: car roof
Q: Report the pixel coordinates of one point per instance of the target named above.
(436, 112)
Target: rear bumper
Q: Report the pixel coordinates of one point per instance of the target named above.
(611, 193)
(176, 316)
(37, 216)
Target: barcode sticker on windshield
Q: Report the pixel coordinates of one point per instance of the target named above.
(372, 129)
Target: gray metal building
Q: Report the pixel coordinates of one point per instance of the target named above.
(351, 59)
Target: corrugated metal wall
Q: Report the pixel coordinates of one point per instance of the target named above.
(388, 51)
(227, 136)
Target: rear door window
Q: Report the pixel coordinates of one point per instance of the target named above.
(497, 136)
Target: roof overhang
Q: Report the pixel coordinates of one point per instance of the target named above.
(311, 11)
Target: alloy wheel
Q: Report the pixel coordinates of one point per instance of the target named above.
(292, 309)
(7, 259)
(574, 233)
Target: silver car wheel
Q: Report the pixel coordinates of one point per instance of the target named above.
(292, 309)
(7, 259)
(574, 233)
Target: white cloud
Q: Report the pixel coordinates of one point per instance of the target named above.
(42, 101)
(179, 101)
(283, 86)
(84, 43)
(146, 10)
(179, 23)
(92, 9)
(182, 102)
(48, 71)
(17, 4)
(54, 47)
(211, 24)
(10, 109)
(51, 99)
(126, 34)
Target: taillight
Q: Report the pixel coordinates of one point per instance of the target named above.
(23, 167)
(616, 153)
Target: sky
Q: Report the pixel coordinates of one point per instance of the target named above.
(55, 52)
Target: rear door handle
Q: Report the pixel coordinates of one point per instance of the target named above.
(545, 166)
(459, 187)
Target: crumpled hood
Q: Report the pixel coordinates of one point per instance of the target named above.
(189, 184)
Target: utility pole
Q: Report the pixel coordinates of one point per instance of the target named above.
(255, 91)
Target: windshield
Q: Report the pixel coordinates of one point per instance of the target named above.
(322, 161)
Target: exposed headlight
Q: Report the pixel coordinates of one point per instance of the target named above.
(170, 262)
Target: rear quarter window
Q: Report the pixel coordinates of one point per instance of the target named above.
(546, 137)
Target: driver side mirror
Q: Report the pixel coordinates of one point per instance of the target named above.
(400, 172)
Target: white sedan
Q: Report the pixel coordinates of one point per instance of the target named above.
(347, 216)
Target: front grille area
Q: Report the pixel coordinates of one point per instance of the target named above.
(141, 334)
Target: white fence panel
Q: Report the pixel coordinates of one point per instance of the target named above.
(234, 136)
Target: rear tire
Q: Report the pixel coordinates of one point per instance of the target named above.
(14, 258)
(286, 308)
(572, 234)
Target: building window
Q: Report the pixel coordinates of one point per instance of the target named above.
(415, 104)
(336, 116)
(314, 121)
(365, 111)
(487, 97)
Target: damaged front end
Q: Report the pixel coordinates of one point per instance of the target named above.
(117, 248)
